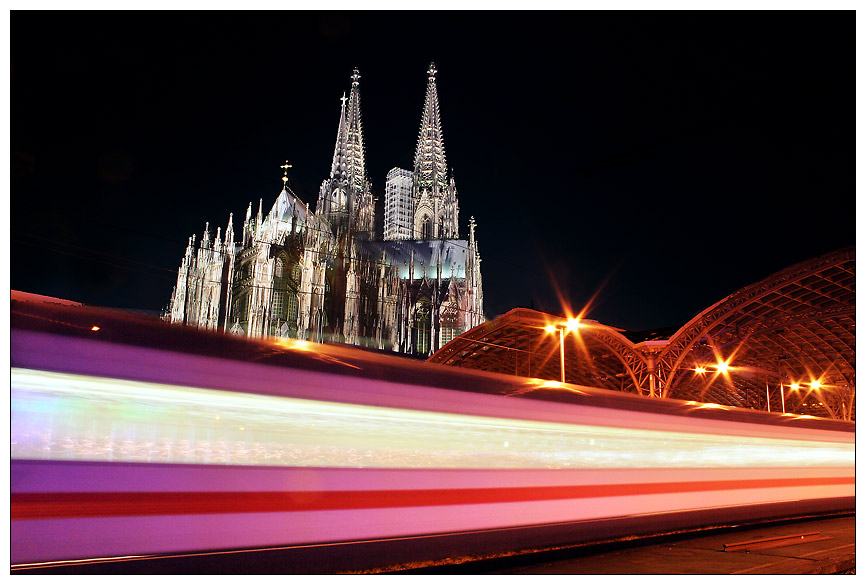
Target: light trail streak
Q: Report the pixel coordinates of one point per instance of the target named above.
(67, 416)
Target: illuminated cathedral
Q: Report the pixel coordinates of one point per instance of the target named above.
(326, 275)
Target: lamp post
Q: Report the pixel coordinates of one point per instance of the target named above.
(782, 393)
(570, 325)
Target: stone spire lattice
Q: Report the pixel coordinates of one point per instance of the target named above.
(430, 167)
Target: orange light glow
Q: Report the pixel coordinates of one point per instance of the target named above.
(550, 384)
(95, 328)
(573, 324)
(722, 366)
(815, 384)
(795, 386)
(297, 344)
(701, 370)
(550, 329)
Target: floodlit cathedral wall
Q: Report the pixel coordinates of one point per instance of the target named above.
(322, 274)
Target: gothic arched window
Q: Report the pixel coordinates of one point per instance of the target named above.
(421, 328)
(426, 228)
(285, 294)
(449, 322)
(278, 308)
(294, 287)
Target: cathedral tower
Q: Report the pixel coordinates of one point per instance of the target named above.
(434, 195)
(345, 194)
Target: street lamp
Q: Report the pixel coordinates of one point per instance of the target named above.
(570, 325)
(721, 367)
(814, 385)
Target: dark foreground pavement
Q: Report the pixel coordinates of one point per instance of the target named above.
(830, 551)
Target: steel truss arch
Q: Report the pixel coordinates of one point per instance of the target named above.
(801, 317)
(516, 343)
(794, 327)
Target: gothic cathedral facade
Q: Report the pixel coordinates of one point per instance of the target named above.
(325, 275)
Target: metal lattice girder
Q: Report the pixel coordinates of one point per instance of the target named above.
(516, 343)
(794, 326)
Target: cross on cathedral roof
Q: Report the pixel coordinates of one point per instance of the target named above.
(285, 168)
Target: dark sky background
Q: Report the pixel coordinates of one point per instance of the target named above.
(656, 161)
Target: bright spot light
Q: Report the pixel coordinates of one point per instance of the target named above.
(95, 328)
(722, 366)
(795, 386)
(550, 329)
(713, 405)
(815, 384)
(550, 384)
(701, 370)
(573, 324)
(296, 344)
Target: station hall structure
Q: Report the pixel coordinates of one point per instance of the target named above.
(325, 274)
(783, 344)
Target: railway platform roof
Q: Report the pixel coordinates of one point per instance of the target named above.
(785, 344)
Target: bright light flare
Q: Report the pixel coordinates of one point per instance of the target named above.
(707, 405)
(572, 324)
(815, 384)
(723, 367)
(296, 344)
(95, 328)
(701, 370)
(544, 384)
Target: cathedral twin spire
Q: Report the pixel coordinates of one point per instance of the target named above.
(348, 164)
(430, 167)
(348, 169)
(345, 194)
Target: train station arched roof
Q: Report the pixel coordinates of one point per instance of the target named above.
(787, 337)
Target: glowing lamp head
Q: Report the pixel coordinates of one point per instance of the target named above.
(550, 329)
(722, 366)
(95, 328)
(573, 324)
(795, 386)
(815, 384)
(701, 370)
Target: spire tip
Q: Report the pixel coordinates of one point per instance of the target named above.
(285, 168)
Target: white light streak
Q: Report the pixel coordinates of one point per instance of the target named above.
(67, 416)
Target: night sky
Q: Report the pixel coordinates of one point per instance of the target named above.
(654, 161)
